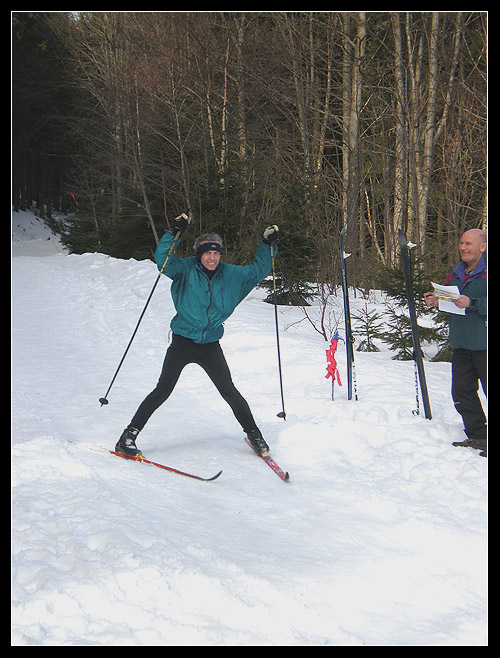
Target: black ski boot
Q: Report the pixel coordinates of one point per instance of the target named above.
(257, 441)
(477, 444)
(126, 443)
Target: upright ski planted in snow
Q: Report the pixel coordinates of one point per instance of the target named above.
(270, 462)
(349, 340)
(410, 295)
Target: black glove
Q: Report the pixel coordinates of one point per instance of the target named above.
(181, 223)
(271, 234)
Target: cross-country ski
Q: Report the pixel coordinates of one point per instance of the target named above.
(410, 296)
(349, 339)
(143, 460)
(270, 462)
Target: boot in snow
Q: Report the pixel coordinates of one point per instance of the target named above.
(126, 443)
(478, 444)
(257, 441)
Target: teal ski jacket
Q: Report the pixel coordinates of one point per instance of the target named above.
(469, 331)
(203, 304)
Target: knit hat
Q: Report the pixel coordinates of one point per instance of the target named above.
(207, 246)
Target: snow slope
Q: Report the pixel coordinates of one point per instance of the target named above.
(379, 538)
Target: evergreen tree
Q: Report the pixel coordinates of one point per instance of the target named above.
(371, 329)
(399, 332)
(41, 96)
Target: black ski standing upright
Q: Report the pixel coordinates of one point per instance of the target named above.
(349, 340)
(410, 295)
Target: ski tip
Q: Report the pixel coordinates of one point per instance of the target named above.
(287, 476)
(214, 477)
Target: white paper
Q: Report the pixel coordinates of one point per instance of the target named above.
(446, 295)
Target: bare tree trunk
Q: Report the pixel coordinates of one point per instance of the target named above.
(244, 159)
(425, 169)
(400, 165)
(219, 152)
(354, 52)
(136, 149)
(415, 121)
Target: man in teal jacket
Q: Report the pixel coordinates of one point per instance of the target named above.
(468, 336)
(205, 293)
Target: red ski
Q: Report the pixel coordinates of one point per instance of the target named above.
(270, 462)
(166, 468)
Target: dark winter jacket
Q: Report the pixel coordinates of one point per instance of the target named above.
(204, 303)
(468, 331)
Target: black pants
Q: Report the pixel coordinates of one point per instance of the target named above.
(468, 368)
(211, 358)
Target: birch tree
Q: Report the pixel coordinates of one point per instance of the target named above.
(419, 120)
(354, 44)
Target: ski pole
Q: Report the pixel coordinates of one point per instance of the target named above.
(281, 414)
(104, 400)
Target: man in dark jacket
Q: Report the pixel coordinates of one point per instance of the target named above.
(205, 292)
(468, 336)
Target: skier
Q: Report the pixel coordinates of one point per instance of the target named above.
(205, 293)
(468, 336)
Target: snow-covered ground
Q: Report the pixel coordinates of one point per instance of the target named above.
(378, 538)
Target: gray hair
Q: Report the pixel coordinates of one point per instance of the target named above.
(207, 237)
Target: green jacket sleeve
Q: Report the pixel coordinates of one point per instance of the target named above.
(248, 276)
(173, 265)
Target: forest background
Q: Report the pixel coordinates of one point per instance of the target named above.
(307, 120)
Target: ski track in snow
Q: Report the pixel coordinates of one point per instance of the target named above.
(379, 537)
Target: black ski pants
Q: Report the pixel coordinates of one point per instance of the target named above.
(468, 367)
(210, 357)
